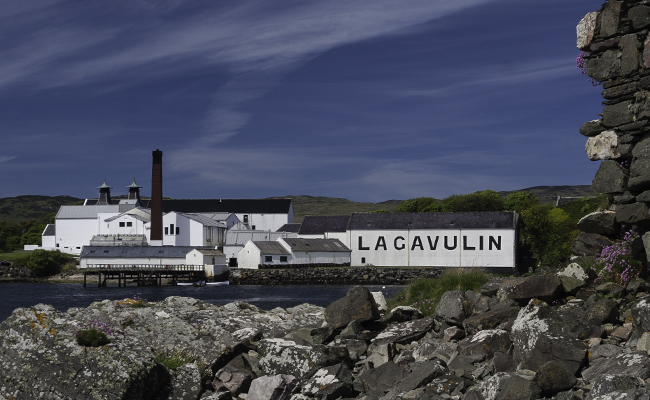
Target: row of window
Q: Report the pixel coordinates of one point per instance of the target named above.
(270, 259)
(170, 228)
(123, 224)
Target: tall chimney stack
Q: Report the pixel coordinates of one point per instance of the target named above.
(156, 234)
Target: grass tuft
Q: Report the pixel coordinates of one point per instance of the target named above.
(424, 293)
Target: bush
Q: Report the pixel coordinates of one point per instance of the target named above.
(424, 293)
(419, 204)
(92, 338)
(47, 263)
(520, 201)
(616, 263)
(487, 200)
(548, 232)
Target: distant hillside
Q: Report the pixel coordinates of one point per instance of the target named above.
(547, 194)
(310, 205)
(24, 208)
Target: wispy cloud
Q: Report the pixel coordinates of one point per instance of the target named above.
(4, 159)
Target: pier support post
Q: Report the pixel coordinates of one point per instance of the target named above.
(99, 279)
(85, 278)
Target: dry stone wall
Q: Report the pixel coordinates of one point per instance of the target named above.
(615, 45)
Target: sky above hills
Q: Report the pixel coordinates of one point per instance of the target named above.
(369, 100)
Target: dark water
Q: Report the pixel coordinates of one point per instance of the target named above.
(65, 295)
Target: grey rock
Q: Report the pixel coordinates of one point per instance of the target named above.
(608, 383)
(620, 113)
(356, 347)
(640, 16)
(435, 349)
(624, 198)
(601, 222)
(232, 379)
(608, 66)
(589, 244)
(571, 285)
(610, 18)
(610, 178)
(552, 377)
(518, 388)
(605, 310)
(453, 307)
(633, 364)
(383, 378)
(641, 315)
(636, 286)
(273, 387)
(404, 332)
(330, 383)
(486, 342)
(574, 270)
(358, 304)
(311, 336)
(422, 374)
(502, 362)
(284, 357)
(402, 314)
(538, 337)
(603, 146)
(630, 57)
(185, 383)
(453, 333)
(490, 288)
(492, 319)
(493, 386)
(637, 213)
(644, 196)
(380, 300)
(382, 353)
(546, 287)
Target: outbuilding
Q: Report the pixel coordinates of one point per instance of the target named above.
(293, 252)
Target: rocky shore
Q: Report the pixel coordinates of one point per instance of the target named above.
(544, 336)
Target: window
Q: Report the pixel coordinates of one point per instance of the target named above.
(253, 227)
(129, 224)
(121, 224)
(166, 231)
(283, 258)
(268, 258)
(171, 229)
(363, 260)
(178, 230)
(245, 219)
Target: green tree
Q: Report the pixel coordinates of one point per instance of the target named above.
(520, 201)
(547, 231)
(46, 263)
(486, 200)
(416, 205)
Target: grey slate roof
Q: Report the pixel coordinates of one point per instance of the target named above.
(85, 212)
(130, 215)
(320, 245)
(319, 224)
(204, 220)
(241, 206)
(235, 237)
(137, 251)
(210, 252)
(50, 230)
(466, 220)
(293, 228)
(271, 248)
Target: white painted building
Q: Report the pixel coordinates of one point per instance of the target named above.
(293, 252)
(325, 227)
(237, 238)
(141, 256)
(212, 261)
(478, 239)
(181, 229)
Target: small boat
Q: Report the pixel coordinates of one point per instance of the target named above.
(184, 283)
(217, 283)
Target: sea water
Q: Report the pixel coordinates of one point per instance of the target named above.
(66, 295)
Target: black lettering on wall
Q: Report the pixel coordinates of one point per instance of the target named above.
(417, 242)
(496, 243)
(480, 242)
(395, 243)
(381, 242)
(433, 245)
(361, 244)
(465, 246)
(455, 243)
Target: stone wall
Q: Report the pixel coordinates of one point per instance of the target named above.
(616, 52)
(335, 276)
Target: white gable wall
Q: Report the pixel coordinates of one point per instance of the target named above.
(136, 228)
(249, 256)
(73, 234)
(266, 222)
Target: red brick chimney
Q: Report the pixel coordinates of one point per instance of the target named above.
(156, 234)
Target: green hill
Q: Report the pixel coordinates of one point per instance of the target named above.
(25, 208)
(311, 205)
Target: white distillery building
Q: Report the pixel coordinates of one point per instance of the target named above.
(293, 252)
(107, 221)
(472, 239)
(140, 257)
(325, 227)
(237, 238)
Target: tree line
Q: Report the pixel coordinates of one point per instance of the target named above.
(546, 232)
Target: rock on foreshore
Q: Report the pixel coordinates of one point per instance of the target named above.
(495, 346)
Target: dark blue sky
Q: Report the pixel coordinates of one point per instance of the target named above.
(368, 100)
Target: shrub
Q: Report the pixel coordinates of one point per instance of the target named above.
(548, 233)
(416, 205)
(93, 333)
(487, 200)
(424, 293)
(47, 263)
(519, 201)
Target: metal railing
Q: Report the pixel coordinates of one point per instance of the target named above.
(147, 267)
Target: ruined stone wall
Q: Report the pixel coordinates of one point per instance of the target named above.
(616, 52)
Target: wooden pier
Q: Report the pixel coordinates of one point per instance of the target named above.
(143, 274)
